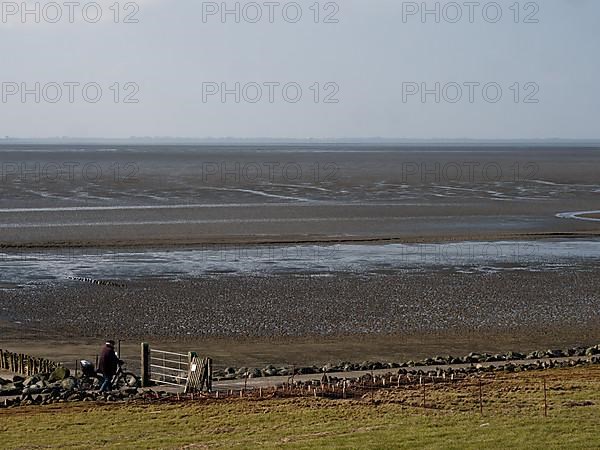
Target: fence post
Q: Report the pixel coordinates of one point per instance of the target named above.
(210, 374)
(191, 356)
(545, 399)
(480, 398)
(145, 364)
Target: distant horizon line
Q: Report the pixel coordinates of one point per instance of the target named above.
(265, 140)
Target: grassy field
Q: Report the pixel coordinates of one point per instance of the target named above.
(513, 417)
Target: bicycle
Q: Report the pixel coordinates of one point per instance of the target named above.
(92, 380)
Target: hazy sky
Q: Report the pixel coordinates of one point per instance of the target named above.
(371, 61)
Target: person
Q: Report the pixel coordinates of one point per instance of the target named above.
(108, 365)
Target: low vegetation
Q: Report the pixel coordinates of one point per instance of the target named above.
(513, 416)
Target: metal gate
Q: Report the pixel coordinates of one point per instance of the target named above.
(169, 368)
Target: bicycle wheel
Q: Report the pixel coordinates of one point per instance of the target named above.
(127, 379)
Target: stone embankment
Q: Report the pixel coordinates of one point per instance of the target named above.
(519, 361)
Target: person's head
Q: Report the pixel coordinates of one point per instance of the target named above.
(110, 344)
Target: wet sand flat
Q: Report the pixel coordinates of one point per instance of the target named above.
(171, 198)
(348, 311)
(141, 196)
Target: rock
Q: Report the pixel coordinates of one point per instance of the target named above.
(129, 391)
(31, 390)
(10, 389)
(255, 373)
(59, 374)
(69, 384)
(269, 371)
(327, 368)
(473, 358)
(31, 380)
(592, 351)
(18, 379)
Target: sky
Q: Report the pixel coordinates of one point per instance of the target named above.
(306, 69)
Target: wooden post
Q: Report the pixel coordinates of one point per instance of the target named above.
(480, 398)
(145, 365)
(209, 364)
(545, 399)
(424, 397)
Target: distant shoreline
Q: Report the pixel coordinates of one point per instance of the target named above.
(595, 143)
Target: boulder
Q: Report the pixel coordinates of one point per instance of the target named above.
(473, 358)
(31, 380)
(328, 368)
(59, 374)
(69, 384)
(255, 373)
(74, 397)
(241, 372)
(10, 389)
(31, 390)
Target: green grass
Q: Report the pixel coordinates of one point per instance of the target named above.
(513, 417)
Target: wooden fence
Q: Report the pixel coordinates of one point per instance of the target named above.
(25, 365)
